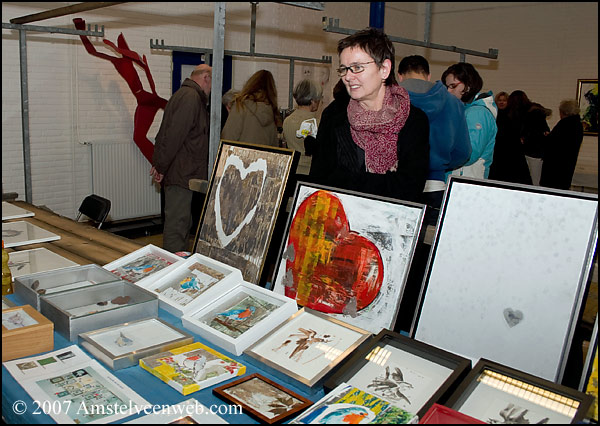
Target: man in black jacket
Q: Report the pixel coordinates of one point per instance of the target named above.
(181, 154)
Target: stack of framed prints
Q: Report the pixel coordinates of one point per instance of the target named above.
(340, 260)
(21, 233)
(242, 205)
(346, 402)
(29, 288)
(409, 374)
(26, 262)
(187, 412)
(10, 211)
(137, 267)
(25, 332)
(193, 283)
(494, 393)
(262, 398)
(192, 367)
(123, 345)
(240, 317)
(101, 305)
(498, 249)
(307, 346)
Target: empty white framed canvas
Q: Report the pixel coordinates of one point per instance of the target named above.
(507, 274)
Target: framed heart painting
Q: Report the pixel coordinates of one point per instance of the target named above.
(348, 254)
(242, 205)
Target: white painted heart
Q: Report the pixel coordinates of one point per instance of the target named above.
(259, 165)
(512, 317)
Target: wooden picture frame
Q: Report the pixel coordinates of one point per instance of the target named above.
(323, 340)
(241, 391)
(410, 374)
(25, 332)
(353, 264)
(507, 394)
(498, 248)
(242, 205)
(587, 99)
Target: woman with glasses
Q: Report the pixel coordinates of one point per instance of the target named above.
(464, 82)
(373, 141)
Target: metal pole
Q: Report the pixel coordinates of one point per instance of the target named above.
(427, 22)
(253, 29)
(291, 87)
(217, 84)
(25, 115)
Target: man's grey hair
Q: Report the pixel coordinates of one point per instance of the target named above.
(569, 107)
(307, 91)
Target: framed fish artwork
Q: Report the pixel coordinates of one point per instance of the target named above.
(348, 254)
(137, 267)
(307, 346)
(262, 398)
(409, 374)
(242, 205)
(495, 393)
(193, 283)
(123, 345)
(240, 317)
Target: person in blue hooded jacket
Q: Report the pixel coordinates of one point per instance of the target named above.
(464, 82)
(449, 142)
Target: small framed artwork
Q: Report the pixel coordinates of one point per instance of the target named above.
(494, 393)
(308, 345)
(242, 205)
(348, 254)
(349, 404)
(137, 267)
(240, 317)
(25, 262)
(123, 345)
(10, 211)
(489, 267)
(262, 398)
(410, 374)
(21, 233)
(587, 98)
(192, 283)
(441, 415)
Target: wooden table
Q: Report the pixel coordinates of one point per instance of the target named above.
(80, 242)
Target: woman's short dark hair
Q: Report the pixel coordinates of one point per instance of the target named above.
(376, 44)
(467, 75)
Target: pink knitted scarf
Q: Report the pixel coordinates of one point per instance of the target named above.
(376, 132)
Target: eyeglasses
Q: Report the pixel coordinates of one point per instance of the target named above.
(453, 85)
(355, 68)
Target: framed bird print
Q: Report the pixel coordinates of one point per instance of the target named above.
(262, 398)
(495, 393)
(409, 374)
(123, 345)
(240, 317)
(348, 254)
(307, 346)
(242, 205)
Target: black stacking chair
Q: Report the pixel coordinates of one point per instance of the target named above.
(94, 207)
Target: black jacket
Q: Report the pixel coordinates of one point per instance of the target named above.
(339, 162)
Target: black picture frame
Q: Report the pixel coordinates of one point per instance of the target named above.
(520, 387)
(350, 367)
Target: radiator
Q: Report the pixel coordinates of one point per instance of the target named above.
(121, 173)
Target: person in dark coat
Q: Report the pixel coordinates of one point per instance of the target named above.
(181, 154)
(562, 147)
(374, 141)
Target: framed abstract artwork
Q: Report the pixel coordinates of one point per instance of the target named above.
(409, 374)
(498, 248)
(262, 398)
(242, 205)
(495, 393)
(143, 265)
(348, 254)
(240, 317)
(347, 404)
(192, 283)
(587, 98)
(307, 346)
(123, 345)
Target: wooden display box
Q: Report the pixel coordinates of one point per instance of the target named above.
(25, 332)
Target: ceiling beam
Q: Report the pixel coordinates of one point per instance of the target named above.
(62, 11)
